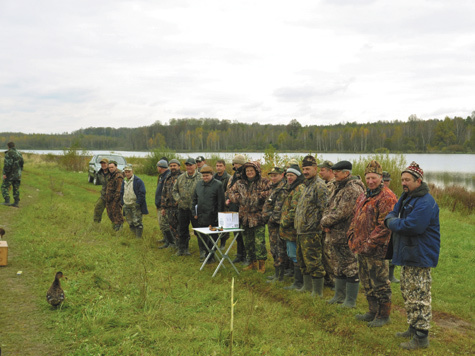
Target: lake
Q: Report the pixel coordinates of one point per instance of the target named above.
(440, 169)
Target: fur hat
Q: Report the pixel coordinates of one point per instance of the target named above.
(415, 170)
(374, 167)
(206, 170)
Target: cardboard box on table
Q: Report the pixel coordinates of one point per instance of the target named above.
(228, 220)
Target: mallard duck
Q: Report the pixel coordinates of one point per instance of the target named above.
(55, 294)
(2, 232)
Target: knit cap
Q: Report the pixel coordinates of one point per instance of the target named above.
(415, 170)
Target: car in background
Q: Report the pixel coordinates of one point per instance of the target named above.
(95, 165)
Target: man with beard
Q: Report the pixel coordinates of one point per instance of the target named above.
(415, 227)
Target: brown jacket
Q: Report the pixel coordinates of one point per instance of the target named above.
(251, 196)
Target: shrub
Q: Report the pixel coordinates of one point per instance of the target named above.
(150, 162)
(74, 158)
(455, 198)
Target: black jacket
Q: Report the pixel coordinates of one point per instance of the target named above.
(208, 200)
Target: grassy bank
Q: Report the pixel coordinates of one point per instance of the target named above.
(126, 297)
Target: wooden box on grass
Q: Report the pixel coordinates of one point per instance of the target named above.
(3, 253)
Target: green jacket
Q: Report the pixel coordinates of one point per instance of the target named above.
(184, 188)
(310, 207)
(13, 164)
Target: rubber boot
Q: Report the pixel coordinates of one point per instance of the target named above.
(280, 278)
(373, 310)
(408, 333)
(170, 239)
(382, 318)
(252, 266)
(391, 274)
(307, 284)
(180, 252)
(351, 294)
(238, 258)
(273, 278)
(289, 272)
(186, 252)
(6, 202)
(138, 232)
(317, 287)
(262, 266)
(132, 229)
(202, 255)
(15, 204)
(420, 340)
(298, 279)
(340, 291)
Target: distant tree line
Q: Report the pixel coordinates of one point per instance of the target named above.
(212, 135)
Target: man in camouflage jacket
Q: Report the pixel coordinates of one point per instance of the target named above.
(12, 168)
(183, 193)
(168, 205)
(272, 213)
(250, 193)
(368, 238)
(309, 212)
(335, 222)
(103, 176)
(113, 199)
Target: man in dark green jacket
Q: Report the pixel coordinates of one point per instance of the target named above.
(208, 200)
(12, 174)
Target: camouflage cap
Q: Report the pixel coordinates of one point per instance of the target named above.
(190, 161)
(386, 176)
(325, 164)
(128, 167)
(374, 167)
(309, 160)
(113, 162)
(277, 170)
(292, 162)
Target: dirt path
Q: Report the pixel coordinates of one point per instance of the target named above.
(23, 329)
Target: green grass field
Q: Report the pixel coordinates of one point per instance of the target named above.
(126, 297)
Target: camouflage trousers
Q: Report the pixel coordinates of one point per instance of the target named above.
(114, 211)
(309, 254)
(133, 215)
(163, 222)
(255, 242)
(278, 247)
(415, 288)
(345, 261)
(172, 217)
(6, 187)
(328, 258)
(374, 276)
(99, 209)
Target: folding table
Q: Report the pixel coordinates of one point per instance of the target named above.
(206, 231)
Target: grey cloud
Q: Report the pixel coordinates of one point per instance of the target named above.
(308, 92)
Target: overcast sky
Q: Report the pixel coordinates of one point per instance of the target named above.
(66, 65)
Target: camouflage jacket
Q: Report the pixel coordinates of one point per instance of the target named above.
(367, 235)
(251, 196)
(231, 189)
(114, 187)
(273, 205)
(287, 227)
(310, 207)
(184, 188)
(13, 164)
(103, 176)
(339, 212)
(167, 201)
(330, 186)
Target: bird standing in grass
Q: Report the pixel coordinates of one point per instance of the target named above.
(2, 232)
(55, 294)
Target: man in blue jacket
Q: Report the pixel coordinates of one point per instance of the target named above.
(133, 200)
(414, 223)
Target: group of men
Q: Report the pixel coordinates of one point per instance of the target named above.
(122, 194)
(333, 226)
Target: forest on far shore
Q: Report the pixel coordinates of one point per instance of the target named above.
(213, 135)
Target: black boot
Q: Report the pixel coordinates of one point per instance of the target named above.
(298, 279)
(373, 310)
(275, 275)
(138, 232)
(317, 287)
(7, 201)
(15, 204)
(392, 278)
(420, 340)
